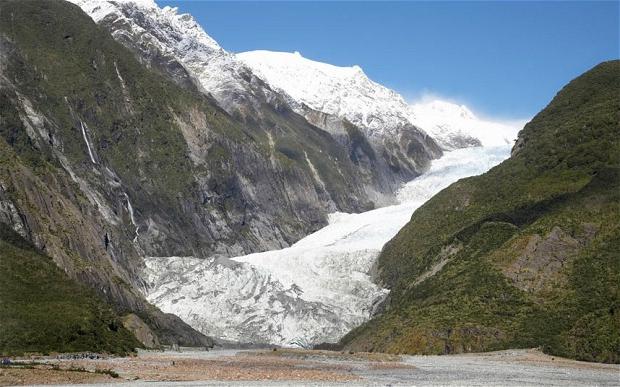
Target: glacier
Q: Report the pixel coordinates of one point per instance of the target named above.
(320, 287)
(313, 291)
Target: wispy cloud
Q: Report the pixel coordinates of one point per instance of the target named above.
(426, 96)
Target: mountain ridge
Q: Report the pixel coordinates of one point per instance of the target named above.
(348, 93)
(524, 255)
(244, 95)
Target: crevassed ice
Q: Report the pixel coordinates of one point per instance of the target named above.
(314, 291)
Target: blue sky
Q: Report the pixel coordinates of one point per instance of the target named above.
(502, 59)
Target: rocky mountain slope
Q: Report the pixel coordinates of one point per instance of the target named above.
(310, 171)
(178, 47)
(94, 162)
(525, 255)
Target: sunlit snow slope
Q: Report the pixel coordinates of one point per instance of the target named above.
(345, 92)
(348, 93)
(314, 291)
(455, 126)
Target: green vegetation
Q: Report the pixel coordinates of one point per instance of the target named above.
(181, 161)
(531, 248)
(171, 147)
(71, 70)
(43, 311)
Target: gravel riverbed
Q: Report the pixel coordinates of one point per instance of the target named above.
(288, 367)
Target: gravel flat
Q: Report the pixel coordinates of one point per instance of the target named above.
(287, 367)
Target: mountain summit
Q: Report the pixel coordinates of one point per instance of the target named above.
(348, 93)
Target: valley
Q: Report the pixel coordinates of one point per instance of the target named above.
(174, 211)
(314, 291)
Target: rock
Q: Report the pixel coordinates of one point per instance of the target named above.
(143, 333)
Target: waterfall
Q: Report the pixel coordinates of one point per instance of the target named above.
(90, 152)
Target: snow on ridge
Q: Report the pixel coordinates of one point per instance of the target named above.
(97, 10)
(342, 91)
(345, 92)
(183, 28)
(348, 93)
(450, 123)
(296, 59)
(186, 24)
(177, 35)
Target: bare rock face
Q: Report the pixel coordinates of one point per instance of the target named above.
(143, 333)
(544, 258)
(378, 158)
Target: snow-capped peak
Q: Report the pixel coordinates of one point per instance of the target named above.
(99, 9)
(141, 3)
(449, 109)
(190, 28)
(183, 26)
(348, 93)
(342, 91)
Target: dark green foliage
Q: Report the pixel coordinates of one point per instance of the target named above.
(562, 186)
(77, 80)
(592, 329)
(43, 311)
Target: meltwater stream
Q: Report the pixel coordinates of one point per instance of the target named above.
(314, 291)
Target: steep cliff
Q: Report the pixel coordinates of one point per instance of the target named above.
(74, 177)
(177, 46)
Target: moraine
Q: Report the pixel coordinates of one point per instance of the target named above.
(314, 291)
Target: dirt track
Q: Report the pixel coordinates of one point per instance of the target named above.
(299, 367)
